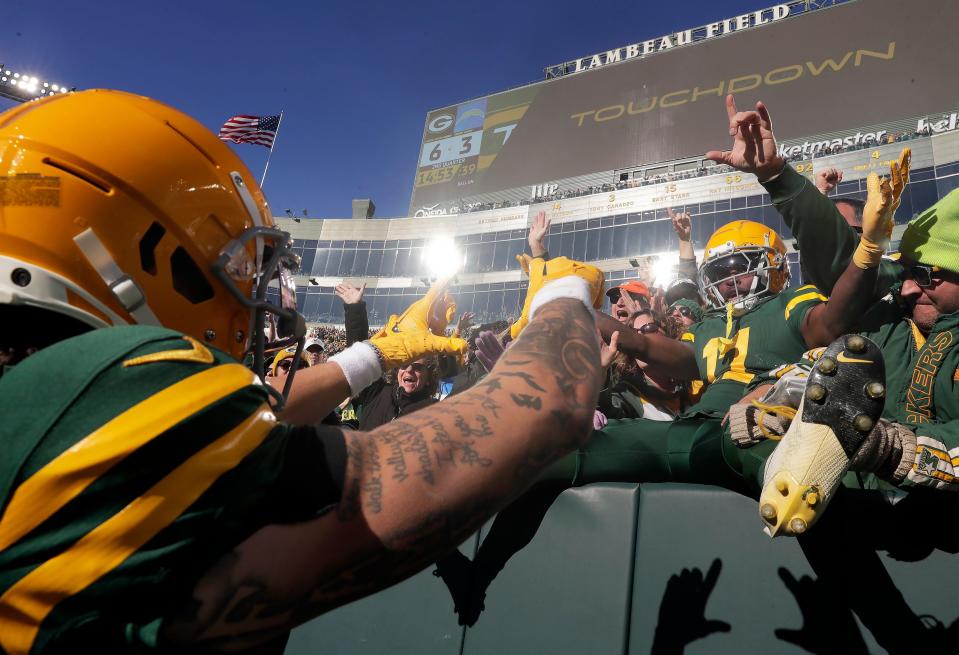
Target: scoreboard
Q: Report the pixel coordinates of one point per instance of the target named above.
(856, 64)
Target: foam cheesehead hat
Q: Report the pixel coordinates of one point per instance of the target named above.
(932, 238)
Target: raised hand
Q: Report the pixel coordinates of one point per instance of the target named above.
(631, 304)
(349, 294)
(465, 322)
(607, 353)
(537, 232)
(754, 146)
(682, 224)
(488, 349)
(827, 179)
(882, 199)
(682, 612)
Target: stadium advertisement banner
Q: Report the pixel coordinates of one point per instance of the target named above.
(860, 63)
(855, 165)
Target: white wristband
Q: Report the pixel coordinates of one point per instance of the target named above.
(360, 364)
(570, 286)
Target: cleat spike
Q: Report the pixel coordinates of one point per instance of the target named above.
(875, 390)
(768, 512)
(797, 526)
(812, 498)
(863, 423)
(827, 366)
(816, 392)
(856, 344)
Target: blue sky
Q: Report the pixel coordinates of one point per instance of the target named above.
(355, 80)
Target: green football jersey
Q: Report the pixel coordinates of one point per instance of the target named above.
(730, 352)
(134, 458)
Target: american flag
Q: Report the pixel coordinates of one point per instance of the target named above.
(260, 130)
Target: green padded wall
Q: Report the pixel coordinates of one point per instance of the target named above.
(414, 617)
(604, 574)
(568, 591)
(835, 568)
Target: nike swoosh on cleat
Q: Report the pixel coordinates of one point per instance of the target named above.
(849, 360)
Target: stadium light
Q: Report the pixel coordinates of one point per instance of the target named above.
(22, 87)
(442, 258)
(664, 272)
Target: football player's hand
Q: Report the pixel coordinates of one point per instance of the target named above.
(754, 146)
(401, 348)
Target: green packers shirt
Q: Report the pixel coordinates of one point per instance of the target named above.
(133, 459)
(730, 352)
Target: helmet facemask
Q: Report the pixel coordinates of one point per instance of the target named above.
(733, 264)
(271, 272)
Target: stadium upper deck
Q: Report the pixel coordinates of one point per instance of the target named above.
(608, 229)
(851, 72)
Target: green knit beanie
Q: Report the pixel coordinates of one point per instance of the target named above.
(932, 238)
(692, 306)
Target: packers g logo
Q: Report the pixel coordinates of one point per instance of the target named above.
(440, 124)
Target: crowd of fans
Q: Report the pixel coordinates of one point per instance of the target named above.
(661, 178)
(724, 376)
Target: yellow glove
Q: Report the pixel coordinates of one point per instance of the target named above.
(878, 216)
(541, 272)
(434, 311)
(524, 261)
(401, 348)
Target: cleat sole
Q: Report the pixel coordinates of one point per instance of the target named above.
(843, 401)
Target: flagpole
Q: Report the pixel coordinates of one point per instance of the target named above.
(277, 134)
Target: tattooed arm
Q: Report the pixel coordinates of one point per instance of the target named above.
(414, 489)
(672, 357)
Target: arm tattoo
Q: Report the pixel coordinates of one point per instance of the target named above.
(525, 400)
(557, 355)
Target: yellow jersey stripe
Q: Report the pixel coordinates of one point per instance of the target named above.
(917, 336)
(197, 352)
(803, 298)
(688, 336)
(26, 604)
(738, 376)
(60, 481)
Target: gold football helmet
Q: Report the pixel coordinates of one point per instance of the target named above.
(740, 249)
(117, 209)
